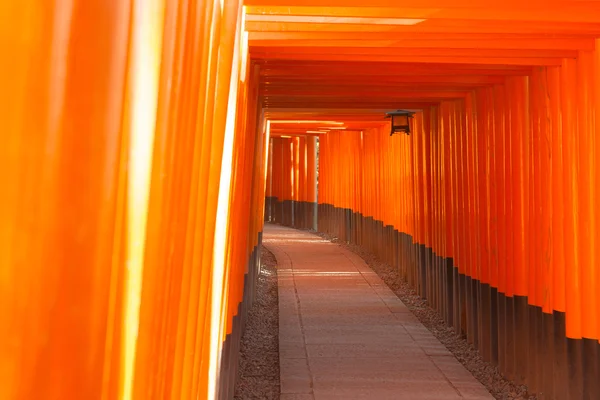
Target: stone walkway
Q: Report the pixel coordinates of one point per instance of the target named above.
(343, 334)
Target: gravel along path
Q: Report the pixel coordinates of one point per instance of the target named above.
(258, 376)
(466, 354)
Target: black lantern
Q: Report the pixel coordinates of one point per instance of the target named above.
(400, 121)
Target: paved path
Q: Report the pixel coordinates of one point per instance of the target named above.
(343, 334)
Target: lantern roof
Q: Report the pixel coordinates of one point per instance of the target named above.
(400, 112)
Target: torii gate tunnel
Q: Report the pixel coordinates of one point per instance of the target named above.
(146, 142)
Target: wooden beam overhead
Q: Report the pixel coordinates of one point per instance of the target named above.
(323, 56)
(586, 12)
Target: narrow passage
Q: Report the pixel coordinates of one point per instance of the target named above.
(343, 334)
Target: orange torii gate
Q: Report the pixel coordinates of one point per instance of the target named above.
(487, 208)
